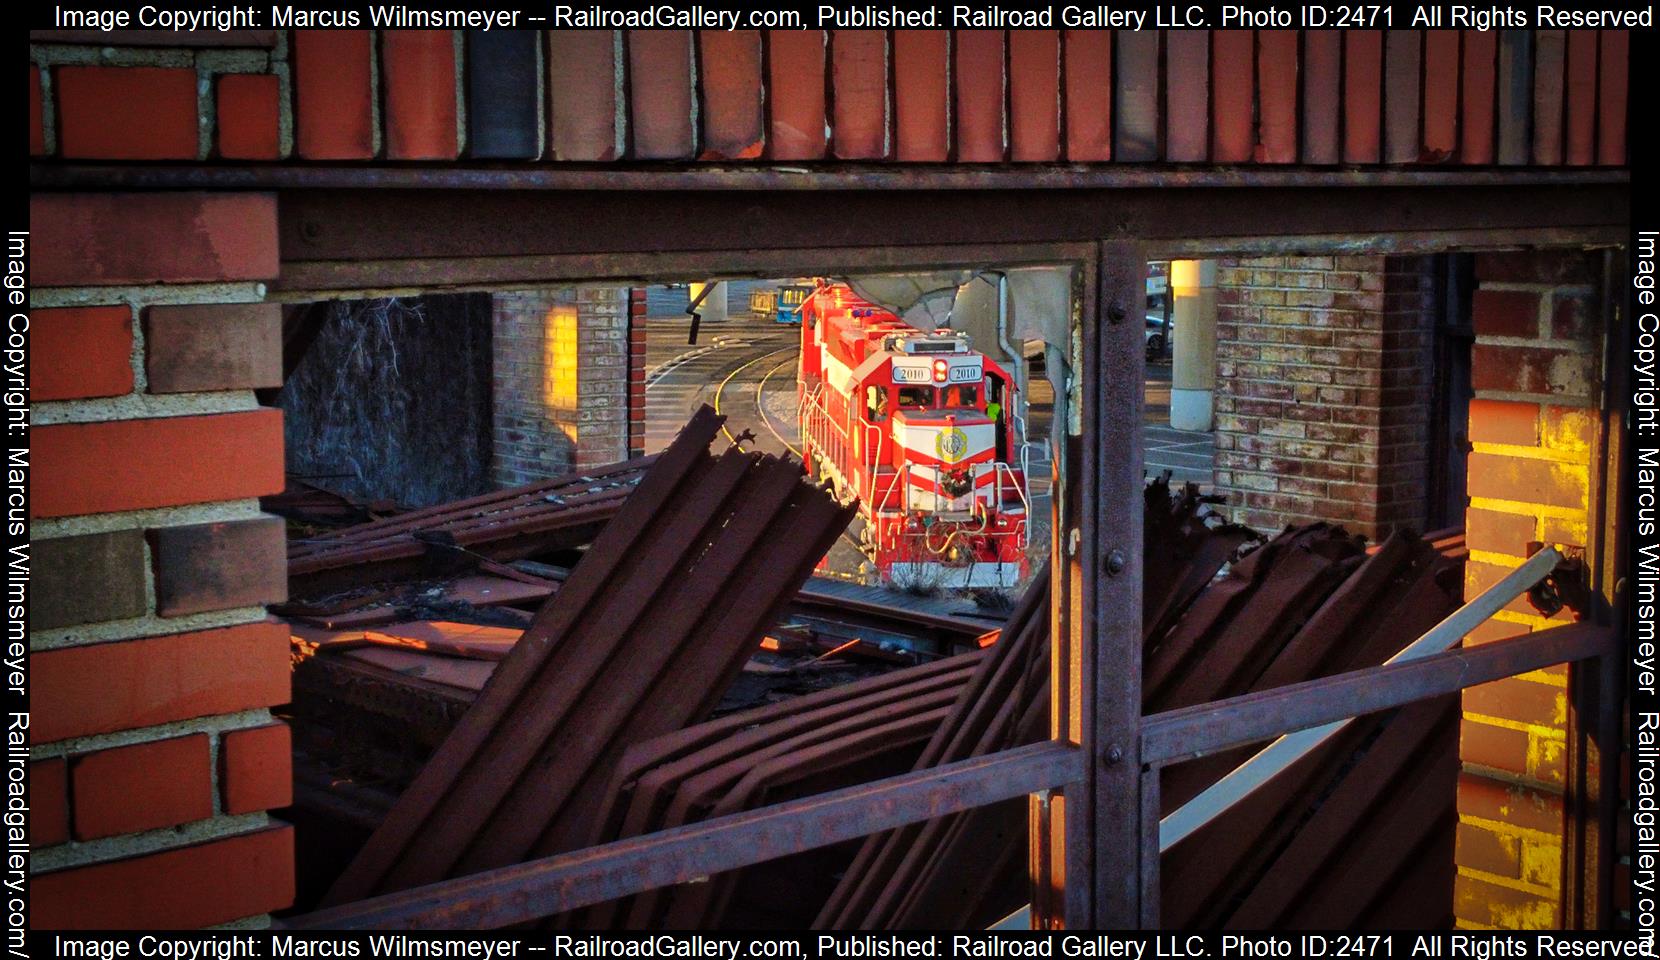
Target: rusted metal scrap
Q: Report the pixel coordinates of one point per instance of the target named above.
(1293, 854)
(834, 738)
(1309, 603)
(496, 527)
(915, 875)
(641, 639)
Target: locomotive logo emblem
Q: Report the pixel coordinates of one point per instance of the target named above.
(950, 444)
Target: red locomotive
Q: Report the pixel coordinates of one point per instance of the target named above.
(923, 430)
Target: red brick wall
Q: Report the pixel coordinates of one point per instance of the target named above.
(1322, 391)
(561, 381)
(152, 665)
(1532, 424)
(919, 96)
(637, 372)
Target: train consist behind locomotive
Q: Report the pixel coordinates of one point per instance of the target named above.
(926, 432)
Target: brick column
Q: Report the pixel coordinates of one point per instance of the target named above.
(1322, 391)
(561, 380)
(637, 372)
(1532, 424)
(152, 663)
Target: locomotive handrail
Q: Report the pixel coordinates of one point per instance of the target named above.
(1019, 488)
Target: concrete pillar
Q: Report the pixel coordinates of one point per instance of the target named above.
(1193, 318)
(713, 307)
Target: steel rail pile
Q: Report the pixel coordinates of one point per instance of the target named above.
(504, 525)
(968, 870)
(911, 876)
(642, 639)
(1310, 604)
(850, 734)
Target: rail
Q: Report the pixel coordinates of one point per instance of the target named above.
(556, 884)
(1296, 744)
(541, 888)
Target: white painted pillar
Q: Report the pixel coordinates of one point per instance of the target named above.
(713, 307)
(1193, 316)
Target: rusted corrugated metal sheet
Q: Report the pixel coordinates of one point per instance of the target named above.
(642, 639)
(503, 525)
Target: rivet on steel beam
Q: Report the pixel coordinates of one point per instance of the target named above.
(1116, 312)
(1115, 755)
(1115, 563)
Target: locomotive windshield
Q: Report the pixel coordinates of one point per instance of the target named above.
(918, 397)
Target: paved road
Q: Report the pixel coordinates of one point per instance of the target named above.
(745, 370)
(1186, 454)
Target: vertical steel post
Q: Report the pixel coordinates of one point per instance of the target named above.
(1106, 831)
(1596, 687)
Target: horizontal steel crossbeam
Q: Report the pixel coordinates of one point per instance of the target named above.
(540, 888)
(1206, 729)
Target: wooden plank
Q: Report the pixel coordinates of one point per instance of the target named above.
(1232, 56)
(1277, 95)
(582, 95)
(1322, 83)
(502, 102)
(1362, 95)
(660, 94)
(1089, 94)
(1477, 121)
(922, 95)
(1034, 95)
(795, 94)
(979, 95)
(1136, 100)
(1611, 105)
(1515, 96)
(729, 79)
(859, 80)
(1581, 99)
(1187, 106)
(1403, 95)
(1440, 95)
(1550, 62)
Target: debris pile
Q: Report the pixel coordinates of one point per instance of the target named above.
(500, 736)
(489, 530)
(641, 640)
(1311, 603)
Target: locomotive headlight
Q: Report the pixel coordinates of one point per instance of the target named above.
(941, 368)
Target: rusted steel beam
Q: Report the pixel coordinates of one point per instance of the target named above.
(820, 178)
(1596, 688)
(332, 225)
(1104, 832)
(307, 280)
(1194, 732)
(540, 888)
